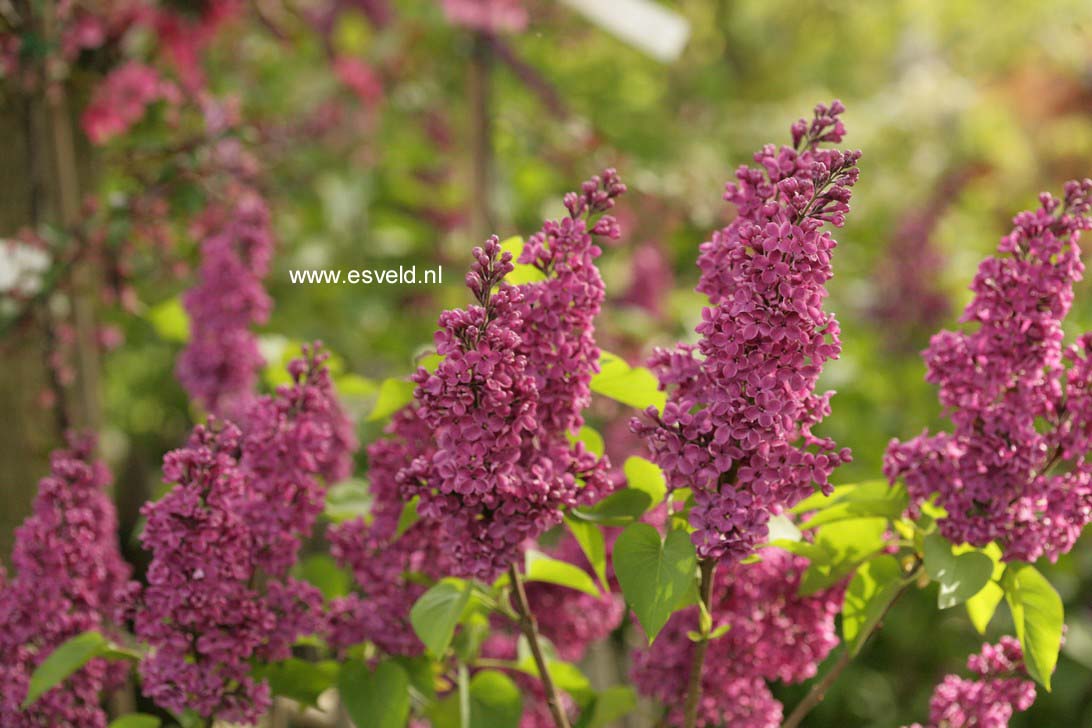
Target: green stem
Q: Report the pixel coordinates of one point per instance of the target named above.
(693, 691)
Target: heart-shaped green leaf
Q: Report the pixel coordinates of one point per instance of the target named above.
(656, 576)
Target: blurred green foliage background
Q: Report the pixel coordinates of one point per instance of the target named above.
(964, 110)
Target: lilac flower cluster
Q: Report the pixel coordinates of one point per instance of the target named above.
(775, 634)
(380, 558)
(990, 700)
(514, 377)
(223, 540)
(69, 578)
(1015, 468)
(291, 441)
(741, 405)
(219, 365)
(910, 302)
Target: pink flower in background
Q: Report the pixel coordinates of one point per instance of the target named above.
(651, 280)
(487, 16)
(121, 99)
(1019, 403)
(775, 634)
(989, 701)
(68, 578)
(360, 78)
(220, 363)
(741, 403)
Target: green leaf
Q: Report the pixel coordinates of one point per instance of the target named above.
(870, 593)
(436, 613)
(592, 440)
(375, 699)
(591, 541)
(617, 509)
(646, 476)
(609, 706)
(960, 577)
(1039, 617)
(633, 386)
(842, 545)
(655, 575)
(170, 320)
(495, 701)
(981, 607)
(408, 517)
(540, 567)
(867, 500)
(136, 720)
(300, 680)
(347, 500)
(566, 676)
(324, 573)
(394, 394)
(69, 657)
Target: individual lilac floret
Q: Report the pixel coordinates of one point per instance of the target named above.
(219, 365)
(296, 442)
(514, 377)
(741, 405)
(775, 634)
(1014, 469)
(989, 701)
(68, 578)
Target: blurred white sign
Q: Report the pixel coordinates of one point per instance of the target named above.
(652, 28)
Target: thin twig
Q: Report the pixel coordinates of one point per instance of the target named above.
(819, 689)
(529, 626)
(693, 690)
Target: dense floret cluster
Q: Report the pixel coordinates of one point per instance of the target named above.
(223, 540)
(988, 701)
(774, 634)
(381, 558)
(1014, 469)
(68, 578)
(514, 376)
(741, 404)
(220, 364)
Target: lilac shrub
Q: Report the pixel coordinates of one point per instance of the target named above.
(741, 405)
(68, 578)
(1014, 469)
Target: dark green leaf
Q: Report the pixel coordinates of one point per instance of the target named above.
(617, 509)
(300, 680)
(960, 577)
(69, 657)
(375, 699)
(436, 613)
(655, 575)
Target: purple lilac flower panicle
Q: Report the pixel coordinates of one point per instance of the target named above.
(68, 578)
(775, 634)
(1000, 689)
(219, 366)
(1014, 469)
(741, 405)
(295, 443)
(515, 374)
